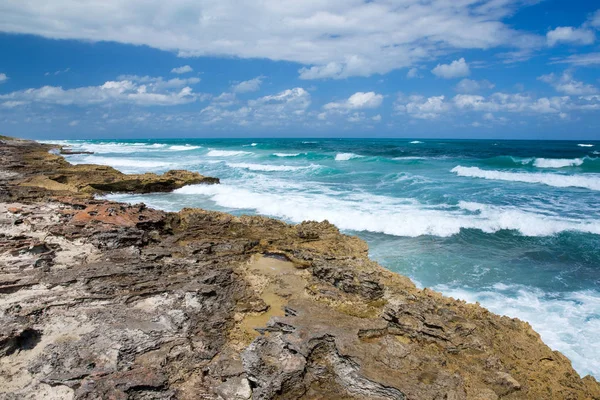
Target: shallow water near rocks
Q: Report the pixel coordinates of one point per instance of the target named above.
(514, 225)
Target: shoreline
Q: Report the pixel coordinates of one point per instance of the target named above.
(356, 328)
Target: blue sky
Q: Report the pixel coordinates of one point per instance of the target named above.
(409, 68)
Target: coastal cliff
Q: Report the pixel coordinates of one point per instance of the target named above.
(105, 300)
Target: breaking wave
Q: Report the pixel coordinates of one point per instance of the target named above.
(346, 156)
(227, 153)
(556, 180)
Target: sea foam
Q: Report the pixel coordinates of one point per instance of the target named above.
(591, 182)
(585, 145)
(382, 214)
(567, 322)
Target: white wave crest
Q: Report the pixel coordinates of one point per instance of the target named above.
(416, 142)
(567, 322)
(287, 154)
(392, 216)
(184, 147)
(267, 167)
(127, 165)
(110, 147)
(589, 181)
(557, 162)
(585, 145)
(226, 153)
(346, 156)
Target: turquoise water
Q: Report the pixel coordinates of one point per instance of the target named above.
(514, 225)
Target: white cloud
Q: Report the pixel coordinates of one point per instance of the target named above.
(376, 118)
(332, 38)
(60, 71)
(502, 102)
(144, 92)
(456, 69)
(3, 78)
(421, 107)
(358, 101)
(580, 60)
(182, 70)
(413, 73)
(74, 123)
(251, 85)
(159, 83)
(594, 19)
(472, 86)
(568, 34)
(567, 85)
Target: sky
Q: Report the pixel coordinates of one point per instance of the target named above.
(514, 69)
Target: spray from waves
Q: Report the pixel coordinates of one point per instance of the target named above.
(270, 168)
(556, 180)
(416, 142)
(382, 214)
(585, 145)
(227, 153)
(567, 322)
(287, 154)
(346, 156)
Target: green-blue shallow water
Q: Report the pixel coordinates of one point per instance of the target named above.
(514, 225)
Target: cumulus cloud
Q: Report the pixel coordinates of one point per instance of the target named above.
(251, 85)
(145, 91)
(568, 34)
(3, 78)
(358, 101)
(473, 86)
(567, 85)
(331, 38)
(456, 69)
(422, 107)
(503, 102)
(182, 70)
(280, 109)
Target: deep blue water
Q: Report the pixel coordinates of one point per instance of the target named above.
(514, 225)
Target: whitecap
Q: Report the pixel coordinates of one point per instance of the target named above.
(226, 153)
(268, 168)
(346, 156)
(557, 162)
(585, 145)
(287, 154)
(587, 181)
(416, 142)
(184, 147)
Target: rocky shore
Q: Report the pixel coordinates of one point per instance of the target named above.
(102, 300)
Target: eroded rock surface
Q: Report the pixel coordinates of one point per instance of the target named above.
(105, 300)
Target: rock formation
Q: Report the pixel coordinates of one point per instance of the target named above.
(106, 300)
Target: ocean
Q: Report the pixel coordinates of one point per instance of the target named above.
(513, 225)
